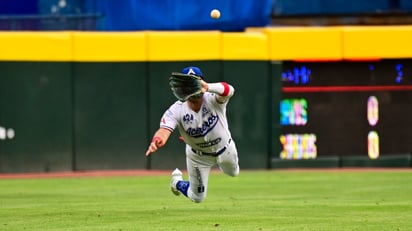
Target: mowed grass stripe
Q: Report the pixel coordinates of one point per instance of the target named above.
(256, 200)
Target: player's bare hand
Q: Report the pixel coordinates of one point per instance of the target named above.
(156, 143)
(204, 85)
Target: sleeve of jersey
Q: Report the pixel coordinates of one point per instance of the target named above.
(223, 89)
(168, 120)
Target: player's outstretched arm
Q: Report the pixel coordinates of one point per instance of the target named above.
(159, 140)
(222, 90)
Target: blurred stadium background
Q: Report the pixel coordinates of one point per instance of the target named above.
(320, 83)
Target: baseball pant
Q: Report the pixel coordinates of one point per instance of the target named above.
(199, 166)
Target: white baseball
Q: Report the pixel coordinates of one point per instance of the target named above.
(215, 13)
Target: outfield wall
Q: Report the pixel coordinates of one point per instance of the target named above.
(92, 100)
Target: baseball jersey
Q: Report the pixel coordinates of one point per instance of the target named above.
(206, 130)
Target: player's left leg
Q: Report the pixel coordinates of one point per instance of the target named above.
(198, 182)
(198, 169)
(228, 161)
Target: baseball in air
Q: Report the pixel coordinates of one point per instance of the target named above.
(215, 14)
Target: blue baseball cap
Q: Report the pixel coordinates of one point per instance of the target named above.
(192, 71)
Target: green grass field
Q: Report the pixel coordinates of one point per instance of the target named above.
(256, 200)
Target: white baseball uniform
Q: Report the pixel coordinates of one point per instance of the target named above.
(208, 141)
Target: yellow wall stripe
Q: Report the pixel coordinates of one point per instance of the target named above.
(201, 45)
(109, 46)
(377, 42)
(304, 43)
(35, 46)
(245, 46)
(291, 43)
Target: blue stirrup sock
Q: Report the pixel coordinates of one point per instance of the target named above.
(183, 186)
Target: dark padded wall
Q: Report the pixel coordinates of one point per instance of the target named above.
(249, 110)
(110, 115)
(102, 115)
(275, 91)
(35, 101)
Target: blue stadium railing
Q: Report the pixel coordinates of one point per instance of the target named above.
(83, 22)
(338, 7)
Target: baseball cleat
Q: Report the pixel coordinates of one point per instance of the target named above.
(177, 176)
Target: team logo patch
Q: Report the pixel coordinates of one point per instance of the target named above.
(205, 111)
(191, 72)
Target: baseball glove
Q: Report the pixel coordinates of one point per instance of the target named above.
(184, 86)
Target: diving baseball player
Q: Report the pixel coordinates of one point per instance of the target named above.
(200, 117)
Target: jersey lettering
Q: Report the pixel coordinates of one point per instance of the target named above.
(206, 127)
(210, 143)
(188, 118)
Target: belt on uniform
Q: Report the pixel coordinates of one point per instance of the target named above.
(213, 153)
